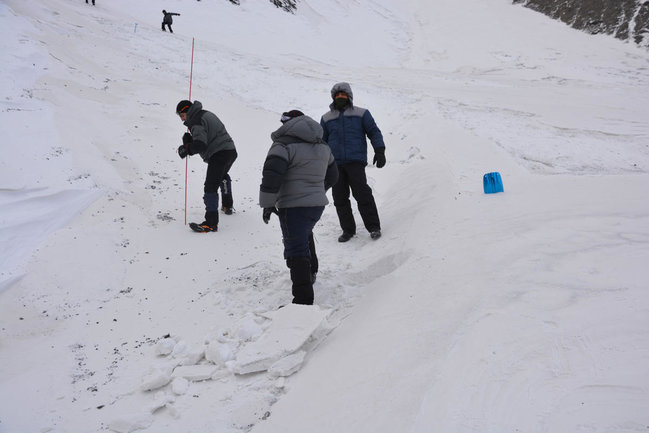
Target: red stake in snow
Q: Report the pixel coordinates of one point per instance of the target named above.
(191, 73)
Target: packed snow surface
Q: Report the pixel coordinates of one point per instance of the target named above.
(526, 310)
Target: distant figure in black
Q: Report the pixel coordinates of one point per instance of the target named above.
(93, 2)
(168, 18)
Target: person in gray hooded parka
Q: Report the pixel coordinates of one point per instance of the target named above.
(297, 172)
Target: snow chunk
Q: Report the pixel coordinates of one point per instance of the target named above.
(165, 346)
(156, 378)
(195, 373)
(287, 365)
(291, 327)
(219, 353)
(179, 385)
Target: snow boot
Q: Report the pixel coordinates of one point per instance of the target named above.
(301, 278)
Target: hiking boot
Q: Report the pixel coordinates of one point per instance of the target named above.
(375, 234)
(227, 210)
(345, 237)
(204, 227)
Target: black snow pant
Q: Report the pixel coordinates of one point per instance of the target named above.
(299, 249)
(217, 169)
(351, 176)
(163, 26)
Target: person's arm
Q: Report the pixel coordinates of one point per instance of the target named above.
(199, 140)
(332, 173)
(275, 168)
(372, 131)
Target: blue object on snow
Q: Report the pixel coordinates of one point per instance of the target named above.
(492, 183)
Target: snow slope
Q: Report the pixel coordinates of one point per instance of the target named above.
(526, 310)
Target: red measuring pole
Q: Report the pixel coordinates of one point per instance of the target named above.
(191, 73)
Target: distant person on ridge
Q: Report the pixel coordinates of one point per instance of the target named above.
(209, 138)
(298, 170)
(345, 127)
(167, 19)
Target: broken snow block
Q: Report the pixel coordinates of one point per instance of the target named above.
(290, 328)
(156, 378)
(287, 365)
(195, 373)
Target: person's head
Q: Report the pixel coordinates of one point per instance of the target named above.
(342, 95)
(164, 11)
(182, 108)
(288, 115)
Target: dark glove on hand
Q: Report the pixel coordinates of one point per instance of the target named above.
(182, 151)
(187, 139)
(268, 211)
(379, 157)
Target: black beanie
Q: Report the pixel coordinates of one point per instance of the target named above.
(288, 115)
(183, 106)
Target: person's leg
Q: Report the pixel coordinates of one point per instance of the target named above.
(340, 194)
(297, 224)
(226, 194)
(170, 31)
(364, 198)
(163, 27)
(217, 168)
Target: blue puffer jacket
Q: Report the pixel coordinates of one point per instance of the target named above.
(345, 131)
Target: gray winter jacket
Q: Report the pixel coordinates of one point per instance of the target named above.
(208, 132)
(299, 167)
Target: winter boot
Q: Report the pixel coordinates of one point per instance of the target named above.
(301, 278)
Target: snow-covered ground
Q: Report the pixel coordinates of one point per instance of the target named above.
(521, 311)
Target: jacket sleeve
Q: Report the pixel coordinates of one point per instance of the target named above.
(331, 177)
(275, 168)
(325, 133)
(199, 140)
(372, 131)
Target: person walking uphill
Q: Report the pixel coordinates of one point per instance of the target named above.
(298, 170)
(168, 20)
(345, 127)
(209, 138)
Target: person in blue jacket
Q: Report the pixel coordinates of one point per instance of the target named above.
(346, 127)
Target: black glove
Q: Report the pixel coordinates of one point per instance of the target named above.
(183, 151)
(268, 211)
(187, 139)
(379, 157)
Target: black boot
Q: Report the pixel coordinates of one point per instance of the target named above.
(314, 258)
(301, 278)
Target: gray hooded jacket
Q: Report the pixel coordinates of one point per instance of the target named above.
(208, 132)
(299, 167)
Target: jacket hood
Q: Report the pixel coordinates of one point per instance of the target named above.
(193, 110)
(303, 128)
(342, 87)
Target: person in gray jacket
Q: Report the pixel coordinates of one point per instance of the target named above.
(298, 170)
(208, 137)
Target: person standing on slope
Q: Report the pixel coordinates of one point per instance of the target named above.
(298, 170)
(167, 19)
(345, 127)
(208, 137)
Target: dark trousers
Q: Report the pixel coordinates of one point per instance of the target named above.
(352, 177)
(93, 2)
(299, 249)
(216, 178)
(163, 26)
